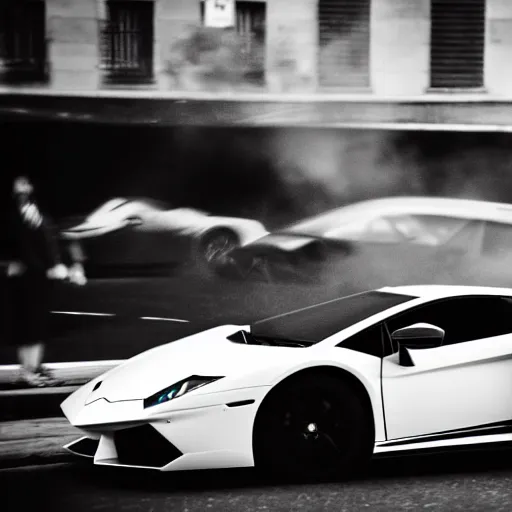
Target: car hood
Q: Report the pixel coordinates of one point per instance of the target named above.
(90, 229)
(208, 353)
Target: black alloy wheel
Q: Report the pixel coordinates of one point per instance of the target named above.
(316, 427)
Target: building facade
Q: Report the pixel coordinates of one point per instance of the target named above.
(379, 48)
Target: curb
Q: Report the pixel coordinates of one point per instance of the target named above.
(21, 403)
(72, 373)
(35, 442)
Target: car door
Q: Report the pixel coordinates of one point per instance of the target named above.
(129, 243)
(466, 382)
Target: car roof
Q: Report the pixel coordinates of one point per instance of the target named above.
(117, 202)
(437, 291)
(473, 207)
(419, 205)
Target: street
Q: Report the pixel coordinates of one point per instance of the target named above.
(118, 318)
(448, 483)
(149, 311)
(154, 310)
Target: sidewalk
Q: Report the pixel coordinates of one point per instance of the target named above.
(19, 402)
(72, 374)
(40, 441)
(31, 442)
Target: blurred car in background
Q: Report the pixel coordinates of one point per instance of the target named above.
(395, 240)
(136, 233)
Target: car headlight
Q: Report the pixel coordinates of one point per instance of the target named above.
(178, 389)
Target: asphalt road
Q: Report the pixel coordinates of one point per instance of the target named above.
(466, 482)
(148, 311)
(120, 317)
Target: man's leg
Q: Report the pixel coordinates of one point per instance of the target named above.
(31, 356)
(32, 372)
(31, 352)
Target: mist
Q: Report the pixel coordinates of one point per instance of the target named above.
(277, 176)
(343, 166)
(323, 169)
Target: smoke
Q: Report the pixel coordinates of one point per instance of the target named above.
(469, 166)
(215, 59)
(320, 169)
(323, 169)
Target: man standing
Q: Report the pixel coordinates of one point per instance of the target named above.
(35, 266)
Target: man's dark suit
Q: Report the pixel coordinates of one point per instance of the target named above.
(29, 295)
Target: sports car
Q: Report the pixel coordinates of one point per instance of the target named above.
(314, 392)
(387, 241)
(141, 232)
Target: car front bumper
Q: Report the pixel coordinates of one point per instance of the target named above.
(207, 437)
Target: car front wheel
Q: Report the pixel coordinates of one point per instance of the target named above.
(315, 427)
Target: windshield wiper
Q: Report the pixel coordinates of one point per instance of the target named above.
(286, 343)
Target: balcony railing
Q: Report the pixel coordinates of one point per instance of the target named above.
(127, 43)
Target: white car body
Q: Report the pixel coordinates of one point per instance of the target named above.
(454, 395)
(119, 213)
(389, 241)
(373, 219)
(146, 233)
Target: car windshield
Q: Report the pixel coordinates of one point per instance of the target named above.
(316, 323)
(320, 225)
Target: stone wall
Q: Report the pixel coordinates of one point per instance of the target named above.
(72, 31)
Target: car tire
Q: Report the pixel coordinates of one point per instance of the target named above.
(313, 427)
(214, 247)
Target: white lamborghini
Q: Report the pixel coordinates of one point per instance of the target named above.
(317, 391)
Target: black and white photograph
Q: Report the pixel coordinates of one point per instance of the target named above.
(256, 255)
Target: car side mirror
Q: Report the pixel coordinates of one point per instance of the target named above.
(417, 336)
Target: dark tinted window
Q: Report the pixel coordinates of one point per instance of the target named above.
(375, 230)
(430, 230)
(315, 323)
(497, 239)
(369, 341)
(463, 319)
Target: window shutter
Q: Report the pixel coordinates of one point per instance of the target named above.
(457, 43)
(344, 40)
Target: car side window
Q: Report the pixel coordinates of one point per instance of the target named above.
(417, 229)
(382, 230)
(368, 341)
(434, 230)
(463, 319)
(430, 230)
(374, 230)
(468, 239)
(497, 239)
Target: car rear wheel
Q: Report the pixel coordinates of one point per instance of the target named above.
(316, 427)
(215, 247)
